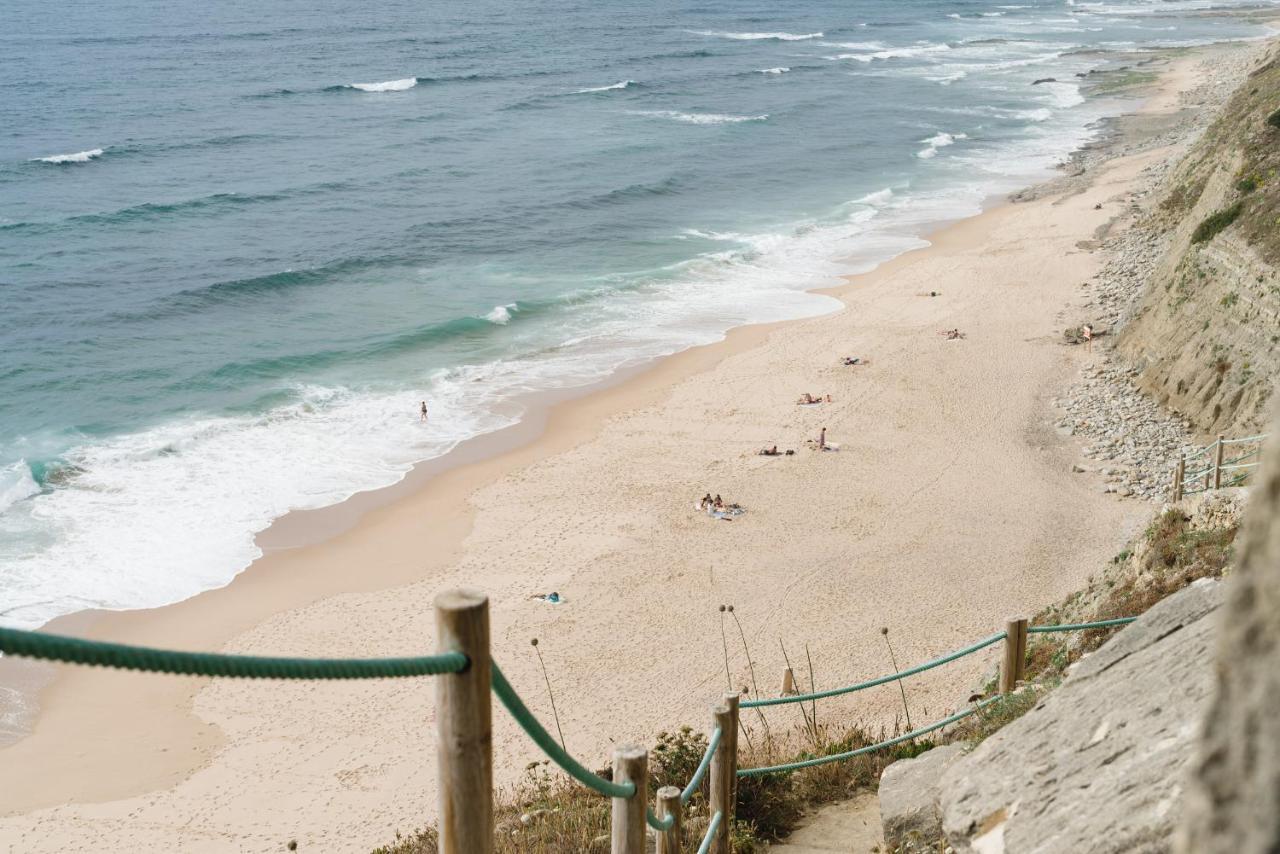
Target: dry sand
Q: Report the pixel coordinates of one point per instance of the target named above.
(949, 506)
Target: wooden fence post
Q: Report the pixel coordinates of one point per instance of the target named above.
(1178, 473)
(1015, 654)
(669, 805)
(788, 682)
(1217, 464)
(724, 772)
(630, 763)
(464, 735)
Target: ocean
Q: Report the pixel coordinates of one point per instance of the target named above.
(241, 241)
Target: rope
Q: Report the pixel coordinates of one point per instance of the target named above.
(1258, 438)
(658, 824)
(101, 654)
(1079, 627)
(1240, 466)
(696, 780)
(1194, 476)
(543, 739)
(1255, 452)
(840, 757)
(712, 827)
(775, 701)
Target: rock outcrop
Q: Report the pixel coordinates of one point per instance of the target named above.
(1233, 799)
(910, 814)
(1098, 764)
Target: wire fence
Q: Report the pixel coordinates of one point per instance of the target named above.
(39, 645)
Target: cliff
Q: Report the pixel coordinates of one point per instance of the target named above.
(1206, 333)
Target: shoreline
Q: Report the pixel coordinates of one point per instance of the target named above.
(155, 749)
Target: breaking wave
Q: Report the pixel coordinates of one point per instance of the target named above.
(387, 85)
(940, 140)
(750, 37)
(623, 84)
(78, 157)
(700, 118)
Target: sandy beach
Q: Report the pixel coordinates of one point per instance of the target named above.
(949, 506)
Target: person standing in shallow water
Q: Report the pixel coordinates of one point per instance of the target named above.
(424, 410)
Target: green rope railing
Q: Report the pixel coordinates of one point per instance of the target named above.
(712, 827)
(511, 700)
(835, 692)
(658, 824)
(1079, 627)
(696, 780)
(102, 654)
(840, 757)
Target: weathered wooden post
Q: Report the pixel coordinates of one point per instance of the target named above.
(630, 764)
(1217, 463)
(1013, 668)
(788, 682)
(669, 805)
(464, 735)
(724, 772)
(1178, 474)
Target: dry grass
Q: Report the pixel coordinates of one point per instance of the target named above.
(547, 813)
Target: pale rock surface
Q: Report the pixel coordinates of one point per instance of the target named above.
(1098, 764)
(909, 810)
(1233, 798)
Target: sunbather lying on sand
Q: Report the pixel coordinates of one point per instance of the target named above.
(951, 334)
(552, 598)
(806, 399)
(851, 360)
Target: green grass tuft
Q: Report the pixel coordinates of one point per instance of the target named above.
(1215, 223)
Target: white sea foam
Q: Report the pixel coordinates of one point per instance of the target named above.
(501, 314)
(623, 84)
(700, 118)
(896, 53)
(781, 69)
(940, 140)
(78, 157)
(387, 85)
(783, 37)
(856, 45)
(879, 197)
(16, 484)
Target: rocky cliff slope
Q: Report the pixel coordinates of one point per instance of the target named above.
(1205, 335)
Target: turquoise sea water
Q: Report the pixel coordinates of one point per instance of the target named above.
(240, 241)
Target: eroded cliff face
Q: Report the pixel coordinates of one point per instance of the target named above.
(1206, 334)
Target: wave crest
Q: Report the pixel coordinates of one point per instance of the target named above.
(750, 37)
(700, 118)
(78, 157)
(622, 84)
(16, 483)
(940, 140)
(387, 85)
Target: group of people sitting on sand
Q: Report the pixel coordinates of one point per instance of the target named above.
(774, 452)
(717, 508)
(807, 399)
